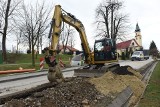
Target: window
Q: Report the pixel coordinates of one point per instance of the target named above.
(98, 46)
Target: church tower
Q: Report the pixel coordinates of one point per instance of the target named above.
(138, 36)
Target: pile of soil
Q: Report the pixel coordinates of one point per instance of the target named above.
(77, 92)
(123, 70)
(112, 83)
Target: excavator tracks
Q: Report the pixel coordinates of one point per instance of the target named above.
(94, 70)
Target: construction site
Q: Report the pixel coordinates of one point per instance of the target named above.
(123, 86)
(110, 74)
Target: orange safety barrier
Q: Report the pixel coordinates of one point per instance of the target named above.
(41, 63)
(61, 63)
(16, 71)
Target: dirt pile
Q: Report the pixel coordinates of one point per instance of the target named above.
(123, 70)
(114, 82)
(77, 92)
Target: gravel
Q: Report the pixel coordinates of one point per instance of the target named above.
(76, 92)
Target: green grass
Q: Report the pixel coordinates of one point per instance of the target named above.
(25, 61)
(151, 96)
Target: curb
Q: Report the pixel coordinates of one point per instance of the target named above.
(122, 99)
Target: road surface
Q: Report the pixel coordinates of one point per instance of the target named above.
(135, 64)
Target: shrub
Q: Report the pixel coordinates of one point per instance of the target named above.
(123, 56)
(28, 51)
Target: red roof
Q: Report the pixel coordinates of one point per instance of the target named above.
(125, 44)
(67, 47)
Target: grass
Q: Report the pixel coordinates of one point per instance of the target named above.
(151, 96)
(25, 61)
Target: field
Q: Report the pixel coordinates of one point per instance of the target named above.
(151, 96)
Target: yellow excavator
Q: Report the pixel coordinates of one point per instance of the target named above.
(102, 59)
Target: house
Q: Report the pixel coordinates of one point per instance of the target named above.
(69, 49)
(131, 45)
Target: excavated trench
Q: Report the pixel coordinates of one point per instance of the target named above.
(80, 92)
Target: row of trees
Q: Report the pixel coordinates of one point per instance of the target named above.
(29, 23)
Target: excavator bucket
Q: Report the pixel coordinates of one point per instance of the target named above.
(94, 70)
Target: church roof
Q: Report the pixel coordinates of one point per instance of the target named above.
(125, 44)
(137, 28)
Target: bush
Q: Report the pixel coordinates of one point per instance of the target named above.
(123, 56)
(28, 51)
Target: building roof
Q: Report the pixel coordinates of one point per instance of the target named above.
(125, 44)
(67, 47)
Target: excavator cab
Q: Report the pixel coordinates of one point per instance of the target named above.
(104, 50)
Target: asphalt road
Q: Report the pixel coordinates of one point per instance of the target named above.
(9, 87)
(135, 64)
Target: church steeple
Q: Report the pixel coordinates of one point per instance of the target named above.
(138, 36)
(137, 28)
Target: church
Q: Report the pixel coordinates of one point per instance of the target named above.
(131, 45)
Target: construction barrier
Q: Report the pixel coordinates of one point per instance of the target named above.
(61, 63)
(41, 63)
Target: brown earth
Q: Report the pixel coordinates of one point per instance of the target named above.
(85, 92)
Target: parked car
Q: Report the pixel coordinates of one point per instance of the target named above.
(137, 55)
(77, 60)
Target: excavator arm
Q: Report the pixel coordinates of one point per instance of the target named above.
(62, 16)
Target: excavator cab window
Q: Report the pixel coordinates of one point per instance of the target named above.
(104, 50)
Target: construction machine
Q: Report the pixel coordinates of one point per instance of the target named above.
(102, 59)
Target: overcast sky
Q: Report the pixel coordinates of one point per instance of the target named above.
(145, 12)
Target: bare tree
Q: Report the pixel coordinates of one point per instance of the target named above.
(72, 41)
(7, 9)
(18, 34)
(67, 36)
(33, 22)
(110, 20)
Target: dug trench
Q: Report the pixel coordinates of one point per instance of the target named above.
(80, 92)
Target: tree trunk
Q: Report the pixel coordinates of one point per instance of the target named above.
(33, 59)
(17, 47)
(37, 48)
(4, 48)
(5, 32)
(29, 41)
(112, 21)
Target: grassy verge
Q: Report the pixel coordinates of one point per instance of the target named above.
(151, 96)
(24, 60)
